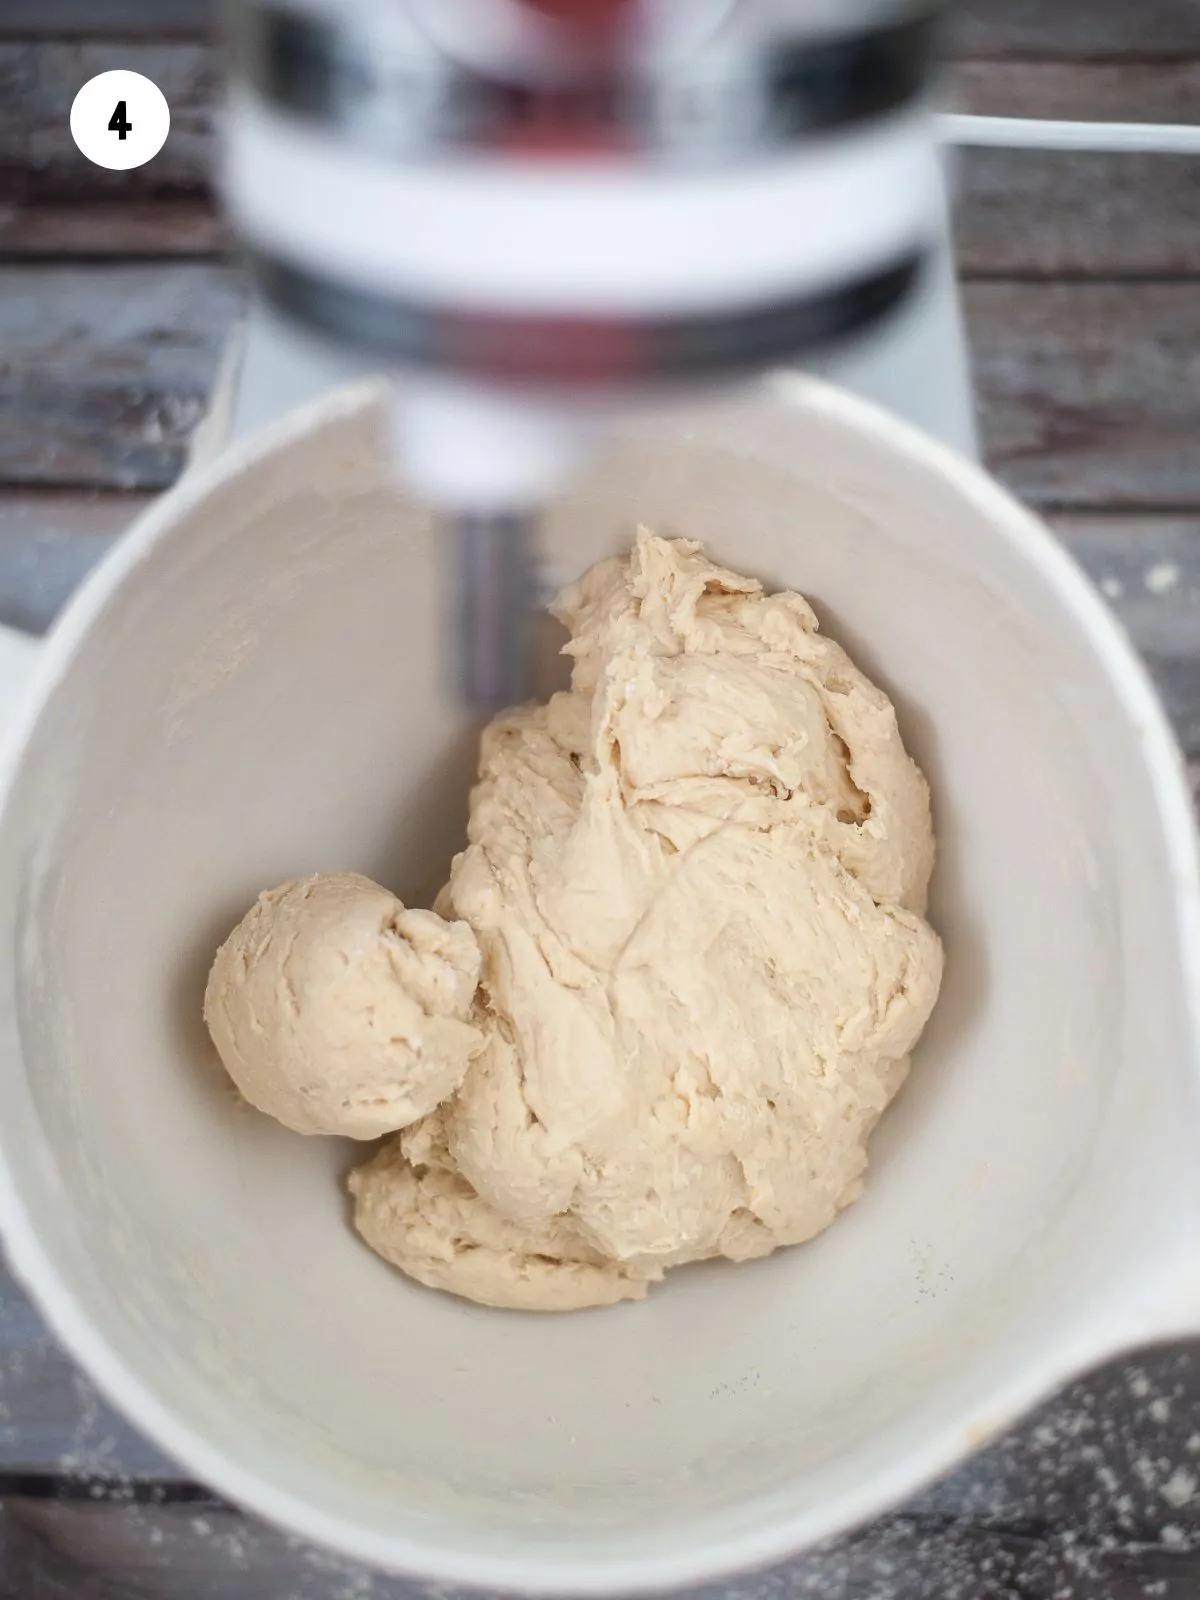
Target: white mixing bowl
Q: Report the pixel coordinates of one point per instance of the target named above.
(251, 687)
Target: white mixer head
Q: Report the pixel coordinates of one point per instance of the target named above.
(534, 211)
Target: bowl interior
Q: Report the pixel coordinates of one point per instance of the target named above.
(263, 696)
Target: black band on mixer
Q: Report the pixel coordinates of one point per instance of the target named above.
(585, 353)
(701, 110)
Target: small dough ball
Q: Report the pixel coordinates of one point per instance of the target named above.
(336, 1010)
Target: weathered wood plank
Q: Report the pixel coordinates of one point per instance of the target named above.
(1152, 30)
(49, 542)
(1087, 391)
(39, 80)
(1040, 213)
(1115, 1456)
(51, 1419)
(97, 229)
(1085, 91)
(1149, 571)
(1157, 29)
(100, 18)
(206, 1551)
(105, 371)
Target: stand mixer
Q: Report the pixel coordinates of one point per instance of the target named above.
(537, 214)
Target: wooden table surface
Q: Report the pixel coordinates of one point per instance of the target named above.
(1083, 301)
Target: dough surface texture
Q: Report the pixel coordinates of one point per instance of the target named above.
(695, 887)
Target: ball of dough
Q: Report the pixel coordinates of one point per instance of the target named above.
(336, 1010)
(697, 880)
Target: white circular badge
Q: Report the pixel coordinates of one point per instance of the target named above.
(120, 119)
